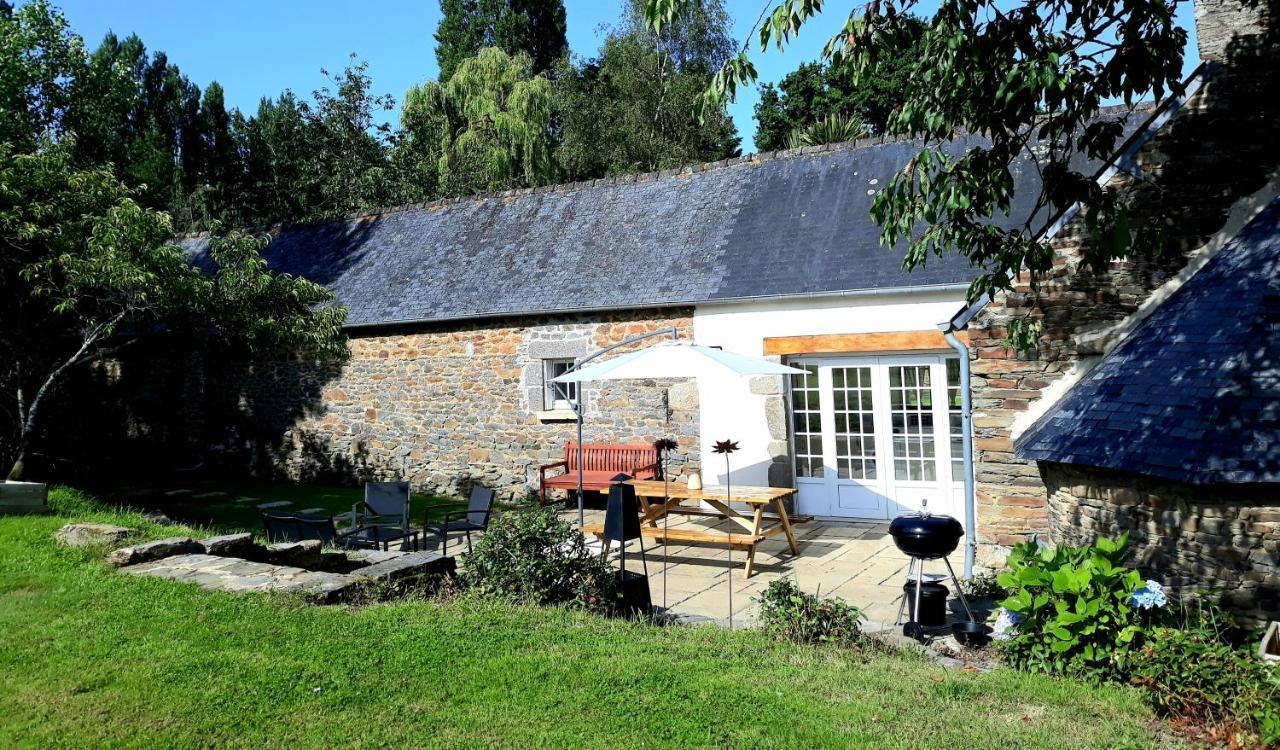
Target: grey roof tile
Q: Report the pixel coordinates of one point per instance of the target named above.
(1205, 410)
(790, 225)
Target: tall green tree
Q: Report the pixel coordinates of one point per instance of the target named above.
(632, 108)
(86, 267)
(37, 57)
(313, 159)
(486, 128)
(819, 92)
(1032, 75)
(533, 27)
(218, 197)
(87, 272)
(347, 167)
(277, 155)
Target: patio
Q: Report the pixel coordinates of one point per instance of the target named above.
(855, 561)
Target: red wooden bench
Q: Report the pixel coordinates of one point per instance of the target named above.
(600, 464)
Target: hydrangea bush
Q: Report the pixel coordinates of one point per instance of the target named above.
(1206, 671)
(1076, 610)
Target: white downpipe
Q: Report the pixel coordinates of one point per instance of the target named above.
(966, 421)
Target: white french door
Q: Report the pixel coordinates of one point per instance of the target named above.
(873, 437)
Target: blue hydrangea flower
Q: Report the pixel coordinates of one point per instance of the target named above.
(1006, 624)
(1150, 596)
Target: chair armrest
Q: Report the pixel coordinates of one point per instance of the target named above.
(352, 516)
(426, 512)
(459, 513)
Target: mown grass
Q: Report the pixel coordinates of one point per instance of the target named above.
(93, 658)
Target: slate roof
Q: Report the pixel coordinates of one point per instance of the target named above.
(786, 224)
(1193, 394)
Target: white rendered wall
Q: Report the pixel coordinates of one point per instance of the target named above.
(730, 411)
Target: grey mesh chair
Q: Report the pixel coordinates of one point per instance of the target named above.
(281, 527)
(324, 529)
(385, 504)
(474, 518)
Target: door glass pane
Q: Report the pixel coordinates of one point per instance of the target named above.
(855, 431)
(955, 420)
(910, 405)
(807, 422)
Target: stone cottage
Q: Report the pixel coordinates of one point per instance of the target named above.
(462, 311)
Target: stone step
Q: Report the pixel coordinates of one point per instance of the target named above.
(235, 575)
(277, 505)
(232, 574)
(213, 495)
(407, 564)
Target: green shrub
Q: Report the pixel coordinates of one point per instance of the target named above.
(1074, 610)
(535, 557)
(1206, 672)
(983, 586)
(794, 615)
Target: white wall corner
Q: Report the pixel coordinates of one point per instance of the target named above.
(1052, 394)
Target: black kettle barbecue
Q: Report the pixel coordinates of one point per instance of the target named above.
(924, 536)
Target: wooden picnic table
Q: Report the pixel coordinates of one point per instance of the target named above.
(669, 496)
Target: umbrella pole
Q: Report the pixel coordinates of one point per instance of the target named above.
(577, 408)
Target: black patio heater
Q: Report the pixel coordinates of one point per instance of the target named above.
(621, 525)
(924, 536)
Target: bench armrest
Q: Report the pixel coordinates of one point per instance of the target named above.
(543, 469)
(651, 470)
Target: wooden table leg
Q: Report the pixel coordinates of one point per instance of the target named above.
(647, 508)
(786, 525)
(751, 553)
(730, 513)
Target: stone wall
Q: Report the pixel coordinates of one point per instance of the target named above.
(1218, 149)
(1191, 538)
(1220, 22)
(450, 405)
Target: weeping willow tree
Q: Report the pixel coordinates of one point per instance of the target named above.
(487, 128)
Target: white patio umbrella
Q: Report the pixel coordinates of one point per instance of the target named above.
(667, 360)
(676, 359)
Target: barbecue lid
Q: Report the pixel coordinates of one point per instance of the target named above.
(923, 524)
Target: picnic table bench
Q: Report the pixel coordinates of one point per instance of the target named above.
(670, 495)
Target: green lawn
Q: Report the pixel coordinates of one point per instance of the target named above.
(93, 658)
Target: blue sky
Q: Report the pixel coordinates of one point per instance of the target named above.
(260, 48)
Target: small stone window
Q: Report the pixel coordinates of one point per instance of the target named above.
(557, 396)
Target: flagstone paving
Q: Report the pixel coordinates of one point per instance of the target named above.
(245, 576)
(856, 561)
(853, 560)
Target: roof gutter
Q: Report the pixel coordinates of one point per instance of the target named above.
(853, 293)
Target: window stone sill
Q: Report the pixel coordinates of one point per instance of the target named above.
(556, 415)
